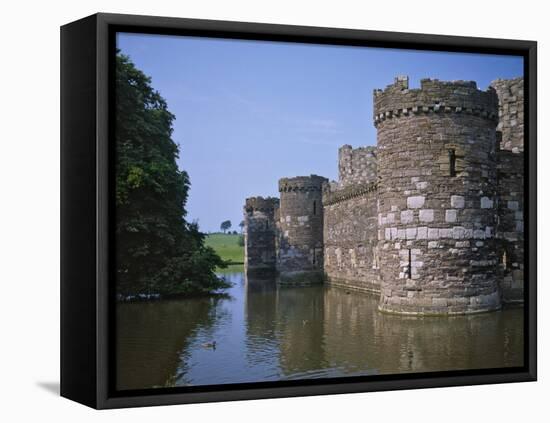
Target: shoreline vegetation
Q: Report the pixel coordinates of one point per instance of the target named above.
(159, 254)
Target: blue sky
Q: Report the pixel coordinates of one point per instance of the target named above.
(251, 112)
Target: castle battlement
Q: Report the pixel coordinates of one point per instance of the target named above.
(434, 96)
(302, 183)
(267, 204)
(336, 195)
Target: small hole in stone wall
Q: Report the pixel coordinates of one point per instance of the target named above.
(314, 208)
(409, 270)
(452, 162)
(267, 224)
(314, 250)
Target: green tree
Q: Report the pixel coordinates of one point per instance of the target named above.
(241, 225)
(226, 224)
(157, 250)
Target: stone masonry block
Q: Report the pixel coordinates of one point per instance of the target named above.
(457, 201)
(486, 203)
(415, 202)
(407, 216)
(426, 215)
(450, 215)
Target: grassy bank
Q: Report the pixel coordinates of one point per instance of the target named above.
(227, 246)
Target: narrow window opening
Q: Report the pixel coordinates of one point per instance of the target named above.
(314, 249)
(504, 260)
(452, 162)
(409, 270)
(314, 208)
(267, 224)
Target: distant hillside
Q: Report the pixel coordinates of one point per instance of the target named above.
(227, 246)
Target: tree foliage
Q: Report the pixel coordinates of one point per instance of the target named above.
(225, 225)
(157, 250)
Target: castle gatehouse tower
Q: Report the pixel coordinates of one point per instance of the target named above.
(300, 240)
(259, 234)
(437, 197)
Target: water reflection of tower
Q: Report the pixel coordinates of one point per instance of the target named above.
(406, 344)
(349, 330)
(300, 323)
(260, 317)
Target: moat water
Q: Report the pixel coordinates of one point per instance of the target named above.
(263, 332)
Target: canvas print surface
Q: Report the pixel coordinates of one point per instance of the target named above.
(296, 211)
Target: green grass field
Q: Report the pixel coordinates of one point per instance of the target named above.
(226, 245)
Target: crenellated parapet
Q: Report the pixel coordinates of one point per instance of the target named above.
(267, 204)
(339, 194)
(434, 96)
(312, 183)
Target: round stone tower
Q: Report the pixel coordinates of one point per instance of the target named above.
(300, 243)
(259, 234)
(436, 197)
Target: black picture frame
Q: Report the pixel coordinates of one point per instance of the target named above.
(86, 207)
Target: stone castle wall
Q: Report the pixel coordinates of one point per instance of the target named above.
(300, 240)
(356, 166)
(510, 112)
(510, 182)
(432, 218)
(350, 237)
(259, 234)
(509, 230)
(437, 218)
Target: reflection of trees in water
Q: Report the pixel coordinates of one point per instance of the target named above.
(152, 336)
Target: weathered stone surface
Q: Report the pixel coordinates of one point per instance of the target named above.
(510, 174)
(259, 234)
(450, 216)
(486, 203)
(426, 215)
(356, 166)
(407, 216)
(415, 202)
(300, 239)
(510, 109)
(457, 201)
